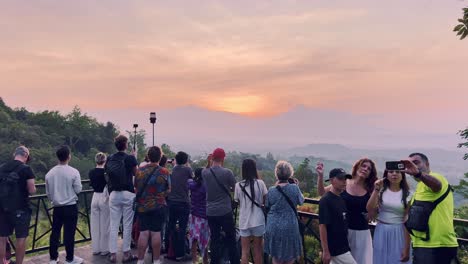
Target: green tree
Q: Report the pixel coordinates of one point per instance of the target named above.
(139, 138)
(43, 131)
(462, 231)
(464, 135)
(462, 28)
(307, 178)
(166, 149)
(462, 187)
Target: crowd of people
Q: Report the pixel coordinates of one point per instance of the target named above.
(166, 208)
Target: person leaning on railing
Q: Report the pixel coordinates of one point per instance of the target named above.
(18, 217)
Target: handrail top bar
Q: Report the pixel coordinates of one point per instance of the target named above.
(40, 196)
(316, 201)
(43, 184)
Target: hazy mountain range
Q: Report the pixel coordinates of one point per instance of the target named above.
(301, 131)
(298, 127)
(449, 163)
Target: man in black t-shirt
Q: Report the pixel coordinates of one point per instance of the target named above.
(19, 219)
(333, 223)
(179, 204)
(121, 198)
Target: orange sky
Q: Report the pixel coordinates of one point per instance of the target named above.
(256, 58)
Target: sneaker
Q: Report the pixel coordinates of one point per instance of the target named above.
(157, 261)
(96, 253)
(76, 260)
(105, 253)
(54, 261)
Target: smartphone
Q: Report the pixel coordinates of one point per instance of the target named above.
(394, 165)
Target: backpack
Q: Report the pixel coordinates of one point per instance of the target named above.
(10, 189)
(117, 172)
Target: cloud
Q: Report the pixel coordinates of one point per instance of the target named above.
(149, 54)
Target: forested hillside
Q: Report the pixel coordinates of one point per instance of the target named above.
(42, 132)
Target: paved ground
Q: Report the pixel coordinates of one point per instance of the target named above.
(86, 253)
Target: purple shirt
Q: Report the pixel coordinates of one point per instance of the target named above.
(198, 198)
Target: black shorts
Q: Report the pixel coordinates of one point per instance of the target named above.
(441, 255)
(18, 221)
(152, 221)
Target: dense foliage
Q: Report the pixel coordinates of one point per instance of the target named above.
(43, 132)
(462, 27)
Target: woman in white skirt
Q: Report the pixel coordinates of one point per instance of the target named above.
(390, 199)
(356, 196)
(100, 220)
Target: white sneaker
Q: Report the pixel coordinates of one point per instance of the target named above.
(157, 261)
(140, 262)
(76, 260)
(54, 261)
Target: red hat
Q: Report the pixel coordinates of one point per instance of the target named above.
(219, 153)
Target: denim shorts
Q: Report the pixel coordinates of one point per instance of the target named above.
(257, 231)
(18, 221)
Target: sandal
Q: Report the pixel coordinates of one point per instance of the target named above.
(129, 257)
(112, 258)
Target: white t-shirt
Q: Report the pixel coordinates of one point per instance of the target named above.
(392, 210)
(250, 216)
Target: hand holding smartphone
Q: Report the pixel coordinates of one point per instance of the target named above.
(395, 165)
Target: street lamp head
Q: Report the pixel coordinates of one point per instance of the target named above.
(135, 126)
(153, 117)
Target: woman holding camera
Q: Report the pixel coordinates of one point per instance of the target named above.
(357, 194)
(390, 200)
(282, 237)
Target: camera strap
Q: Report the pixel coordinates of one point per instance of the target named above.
(225, 189)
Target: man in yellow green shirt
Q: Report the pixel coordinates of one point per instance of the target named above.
(442, 245)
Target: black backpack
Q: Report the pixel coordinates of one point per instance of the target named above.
(117, 172)
(10, 189)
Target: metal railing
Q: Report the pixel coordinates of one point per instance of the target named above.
(41, 213)
(308, 218)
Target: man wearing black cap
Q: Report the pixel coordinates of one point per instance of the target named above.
(17, 183)
(332, 221)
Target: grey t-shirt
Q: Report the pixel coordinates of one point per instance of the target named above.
(179, 188)
(218, 203)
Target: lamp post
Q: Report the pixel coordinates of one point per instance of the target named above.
(153, 120)
(135, 137)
